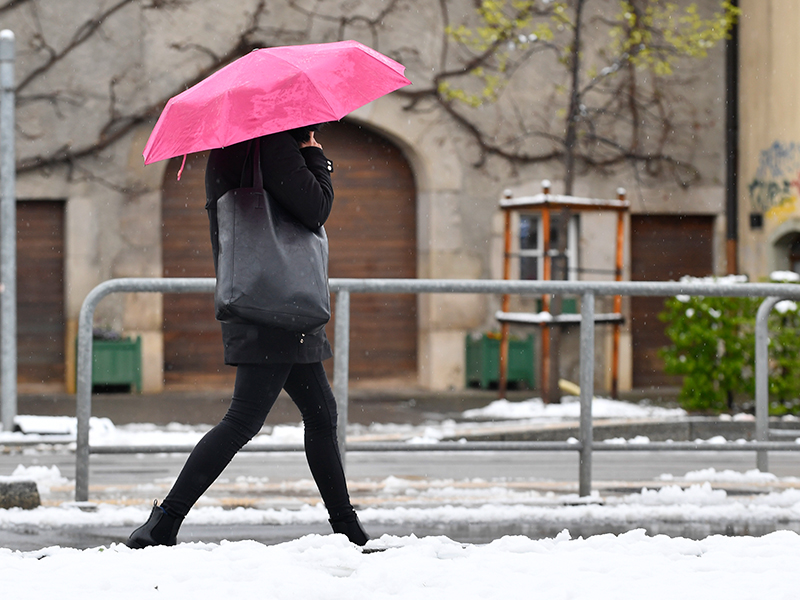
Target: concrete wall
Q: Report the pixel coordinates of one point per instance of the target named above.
(769, 164)
(145, 52)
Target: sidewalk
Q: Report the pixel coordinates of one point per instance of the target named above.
(395, 402)
(367, 404)
(373, 403)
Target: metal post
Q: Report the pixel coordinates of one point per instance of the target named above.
(587, 393)
(8, 235)
(83, 397)
(341, 368)
(762, 379)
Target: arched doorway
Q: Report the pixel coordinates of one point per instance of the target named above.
(372, 233)
(794, 253)
(785, 254)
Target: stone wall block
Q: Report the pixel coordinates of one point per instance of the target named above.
(19, 494)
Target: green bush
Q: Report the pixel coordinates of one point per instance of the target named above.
(784, 359)
(713, 348)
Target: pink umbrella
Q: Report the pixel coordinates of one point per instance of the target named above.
(271, 90)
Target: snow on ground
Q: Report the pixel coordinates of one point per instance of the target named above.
(629, 565)
(689, 498)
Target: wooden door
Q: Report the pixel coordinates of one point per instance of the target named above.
(40, 294)
(192, 337)
(372, 233)
(663, 248)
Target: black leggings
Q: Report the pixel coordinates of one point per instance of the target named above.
(256, 389)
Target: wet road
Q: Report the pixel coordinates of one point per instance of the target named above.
(107, 469)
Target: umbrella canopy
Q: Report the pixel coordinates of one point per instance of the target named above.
(271, 90)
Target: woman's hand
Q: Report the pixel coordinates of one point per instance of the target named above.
(311, 142)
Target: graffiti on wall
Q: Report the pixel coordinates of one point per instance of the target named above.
(776, 185)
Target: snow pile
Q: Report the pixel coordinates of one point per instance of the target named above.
(570, 409)
(751, 476)
(48, 428)
(44, 477)
(103, 432)
(712, 279)
(784, 277)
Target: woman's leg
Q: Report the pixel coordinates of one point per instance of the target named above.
(255, 391)
(309, 389)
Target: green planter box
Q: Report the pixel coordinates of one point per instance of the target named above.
(117, 362)
(569, 306)
(483, 361)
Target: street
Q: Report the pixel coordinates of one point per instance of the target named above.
(282, 481)
(110, 470)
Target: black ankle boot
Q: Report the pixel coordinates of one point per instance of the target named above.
(161, 529)
(351, 527)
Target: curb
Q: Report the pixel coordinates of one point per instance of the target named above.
(684, 430)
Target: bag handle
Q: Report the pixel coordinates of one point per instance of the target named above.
(258, 177)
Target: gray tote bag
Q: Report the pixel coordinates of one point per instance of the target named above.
(272, 270)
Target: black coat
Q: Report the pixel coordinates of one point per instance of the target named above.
(299, 179)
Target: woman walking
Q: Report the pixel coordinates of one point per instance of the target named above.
(296, 175)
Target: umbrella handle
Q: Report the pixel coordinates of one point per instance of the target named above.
(183, 164)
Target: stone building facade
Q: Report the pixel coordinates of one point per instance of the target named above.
(93, 75)
(769, 164)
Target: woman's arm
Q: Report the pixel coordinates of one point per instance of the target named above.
(297, 178)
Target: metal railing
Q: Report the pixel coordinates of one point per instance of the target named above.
(588, 290)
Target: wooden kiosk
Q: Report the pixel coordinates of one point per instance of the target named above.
(545, 203)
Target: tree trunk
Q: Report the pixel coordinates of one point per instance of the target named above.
(559, 271)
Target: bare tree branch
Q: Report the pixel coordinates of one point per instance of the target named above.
(83, 33)
(66, 154)
(373, 24)
(119, 126)
(158, 4)
(625, 122)
(11, 5)
(486, 148)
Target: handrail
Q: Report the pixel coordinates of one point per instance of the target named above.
(83, 396)
(344, 287)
